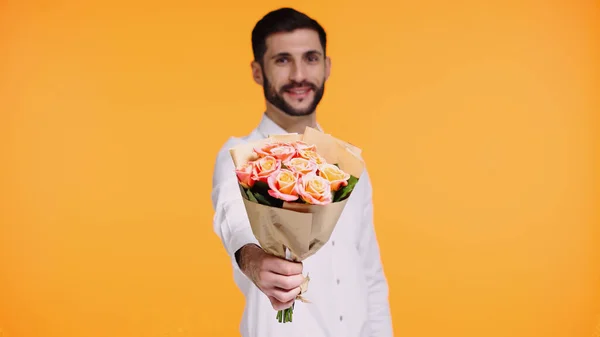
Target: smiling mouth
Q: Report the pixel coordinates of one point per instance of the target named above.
(299, 93)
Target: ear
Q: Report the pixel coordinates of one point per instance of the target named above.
(327, 67)
(257, 74)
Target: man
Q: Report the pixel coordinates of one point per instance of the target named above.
(348, 290)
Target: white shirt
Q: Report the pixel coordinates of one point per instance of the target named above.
(347, 289)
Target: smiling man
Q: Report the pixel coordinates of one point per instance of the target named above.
(291, 66)
(348, 290)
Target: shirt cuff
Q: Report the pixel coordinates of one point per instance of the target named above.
(239, 239)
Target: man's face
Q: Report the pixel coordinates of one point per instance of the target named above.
(295, 71)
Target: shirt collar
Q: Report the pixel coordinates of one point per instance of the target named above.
(267, 127)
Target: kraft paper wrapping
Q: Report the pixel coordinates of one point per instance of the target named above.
(302, 229)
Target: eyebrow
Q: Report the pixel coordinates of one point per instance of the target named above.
(288, 54)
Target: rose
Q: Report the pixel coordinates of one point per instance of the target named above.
(264, 167)
(336, 177)
(312, 156)
(281, 151)
(301, 165)
(300, 145)
(244, 174)
(282, 185)
(314, 189)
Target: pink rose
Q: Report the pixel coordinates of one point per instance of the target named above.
(336, 177)
(300, 145)
(281, 151)
(282, 185)
(264, 167)
(314, 189)
(301, 165)
(244, 174)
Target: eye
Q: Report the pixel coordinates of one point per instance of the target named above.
(281, 60)
(313, 58)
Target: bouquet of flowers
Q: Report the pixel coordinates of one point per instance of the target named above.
(294, 189)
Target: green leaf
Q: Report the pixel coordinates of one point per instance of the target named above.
(260, 187)
(261, 199)
(345, 191)
(251, 196)
(261, 193)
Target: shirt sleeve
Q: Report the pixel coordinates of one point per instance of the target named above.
(368, 247)
(230, 221)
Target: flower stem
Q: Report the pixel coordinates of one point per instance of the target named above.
(284, 316)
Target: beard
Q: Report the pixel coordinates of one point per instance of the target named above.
(276, 97)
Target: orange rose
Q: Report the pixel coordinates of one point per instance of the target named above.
(301, 165)
(314, 189)
(244, 174)
(312, 155)
(281, 151)
(282, 185)
(334, 175)
(264, 167)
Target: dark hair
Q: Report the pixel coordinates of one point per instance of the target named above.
(282, 20)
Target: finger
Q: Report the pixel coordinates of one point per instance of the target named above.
(284, 267)
(284, 296)
(278, 305)
(282, 282)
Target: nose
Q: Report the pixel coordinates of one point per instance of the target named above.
(298, 72)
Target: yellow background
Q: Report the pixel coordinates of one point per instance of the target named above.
(478, 121)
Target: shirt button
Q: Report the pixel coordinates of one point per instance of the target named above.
(338, 281)
(333, 243)
(341, 318)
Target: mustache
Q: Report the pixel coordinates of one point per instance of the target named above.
(297, 85)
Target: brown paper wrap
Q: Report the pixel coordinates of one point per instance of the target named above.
(302, 229)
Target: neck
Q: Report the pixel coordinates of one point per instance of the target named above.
(291, 124)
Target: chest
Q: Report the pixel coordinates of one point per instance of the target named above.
(342, 247)
(347, 230)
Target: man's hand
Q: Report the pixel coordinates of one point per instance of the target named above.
(277, 278)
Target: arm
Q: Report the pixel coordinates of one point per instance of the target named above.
(230, 221)
(368, 247)
(277, 278)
